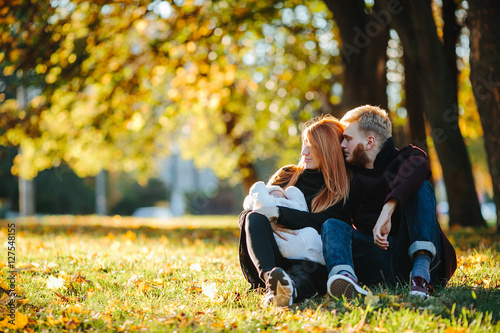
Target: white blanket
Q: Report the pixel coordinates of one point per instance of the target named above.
(306, 244)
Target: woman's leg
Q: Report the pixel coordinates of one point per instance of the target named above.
(309, 278)
(261, 245)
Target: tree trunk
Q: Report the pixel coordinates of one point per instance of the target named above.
(414, 22)
(364, 45)
(27, 206)
(100, 193)
(451, 32)
(414, 106)
(484, 27)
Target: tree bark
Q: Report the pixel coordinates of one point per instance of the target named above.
(484, 27)
(451, 31)
(414, 106)
(364, 44)
(414, 22)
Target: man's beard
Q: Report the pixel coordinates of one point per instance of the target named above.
(359, 157)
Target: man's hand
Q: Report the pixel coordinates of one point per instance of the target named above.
(383, 226)
(280, 230)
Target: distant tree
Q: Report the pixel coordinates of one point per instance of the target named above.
(135, 196)
(484, 27)
(414, 22)
(228, 83)
(119, 81)
(364, 36)
(60, 191)
(9, 191)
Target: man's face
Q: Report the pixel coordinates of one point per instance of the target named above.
(353, 146)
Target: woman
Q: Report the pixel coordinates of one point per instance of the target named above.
(322, 177)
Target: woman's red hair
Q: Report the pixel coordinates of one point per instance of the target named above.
(324, 135)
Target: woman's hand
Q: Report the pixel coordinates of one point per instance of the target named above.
(280, 230)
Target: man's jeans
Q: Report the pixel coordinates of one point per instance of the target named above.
(345, 248)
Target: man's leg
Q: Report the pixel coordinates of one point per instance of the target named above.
(337, 247)
(337, 250)
(420, 234)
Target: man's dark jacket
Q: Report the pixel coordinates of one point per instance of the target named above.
(396, 174)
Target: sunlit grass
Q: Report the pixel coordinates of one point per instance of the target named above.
(125, 274)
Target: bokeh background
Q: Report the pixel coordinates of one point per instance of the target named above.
(110, 106)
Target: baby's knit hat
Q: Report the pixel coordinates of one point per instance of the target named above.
(271, 188)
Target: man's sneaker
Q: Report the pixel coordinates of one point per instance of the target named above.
(339, 285)
(280, 288)
(420, 287)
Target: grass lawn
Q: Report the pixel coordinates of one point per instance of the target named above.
(124, 274)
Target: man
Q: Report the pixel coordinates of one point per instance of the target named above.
(394, 234)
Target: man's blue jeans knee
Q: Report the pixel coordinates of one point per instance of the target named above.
(337, 246)
(345, 248)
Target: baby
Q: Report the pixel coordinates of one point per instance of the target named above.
(306, 244)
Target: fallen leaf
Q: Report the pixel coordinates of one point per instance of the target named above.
(32, 267)
(72, 323)
(211, 291)
(78, 278)
(193, 289)
(370, 299)
(55, 283)
(20, 321)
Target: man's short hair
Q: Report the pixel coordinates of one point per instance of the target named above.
(371, 120)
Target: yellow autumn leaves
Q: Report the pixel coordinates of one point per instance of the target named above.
(20, 321)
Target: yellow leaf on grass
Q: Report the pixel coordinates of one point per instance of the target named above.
(193, 289)
(20, 321)
(370, 299)
(144, 287)
(55, 283)
(72, 323)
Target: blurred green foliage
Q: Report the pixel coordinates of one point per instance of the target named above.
(121, 82)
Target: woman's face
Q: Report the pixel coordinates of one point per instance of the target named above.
(307, 155)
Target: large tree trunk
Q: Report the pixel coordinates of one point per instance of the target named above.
(414, 106)
(364, 45)
(414, 22)
(484, 27)
(451, 31)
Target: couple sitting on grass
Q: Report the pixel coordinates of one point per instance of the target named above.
(354, 211)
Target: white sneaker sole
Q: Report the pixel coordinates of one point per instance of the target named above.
(340, 285)
(282, 287)
(419, 294)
